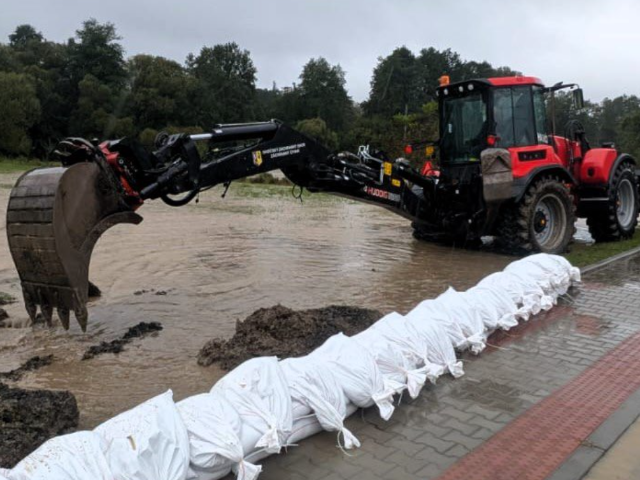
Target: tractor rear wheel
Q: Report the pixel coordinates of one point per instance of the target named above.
(543, 221)
(620, 217)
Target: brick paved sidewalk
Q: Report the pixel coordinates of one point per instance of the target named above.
(578, 361)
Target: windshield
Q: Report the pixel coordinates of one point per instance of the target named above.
(464, 128)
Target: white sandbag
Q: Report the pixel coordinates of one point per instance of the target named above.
(316, 395)
(78, 456)
(493, 306)
(466, 317)
(421, 350)
(531, 271)
(515, 288)
(534, 299)
(214, 429)
(258, 391)
(397, 368)
(429, 311)
(357, 373)
(561, 273)
(147, 442)
(306, 426)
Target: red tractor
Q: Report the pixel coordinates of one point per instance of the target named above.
(534, 182)
(500, 172)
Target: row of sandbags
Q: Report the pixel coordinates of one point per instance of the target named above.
(265, 404)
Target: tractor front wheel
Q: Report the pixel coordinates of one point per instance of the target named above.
(619, 218)
(543, 221)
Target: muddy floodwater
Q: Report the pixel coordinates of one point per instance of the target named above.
(199, 268)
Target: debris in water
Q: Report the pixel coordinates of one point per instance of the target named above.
(6, 299)
(284, 332)
(33, 363)
(117, 345)
(30, 417)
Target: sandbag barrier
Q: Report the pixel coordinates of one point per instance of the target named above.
(265, 404)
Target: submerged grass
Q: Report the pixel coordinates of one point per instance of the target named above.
(21, 164)
(582, 254)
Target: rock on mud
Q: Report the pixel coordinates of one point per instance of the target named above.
(117, 345)
(284, 332)
(30, 417)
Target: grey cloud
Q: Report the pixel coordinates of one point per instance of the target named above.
(580, 41)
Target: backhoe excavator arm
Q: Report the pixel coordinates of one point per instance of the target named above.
(56, 215)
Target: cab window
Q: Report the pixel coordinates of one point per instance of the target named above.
(513, 114)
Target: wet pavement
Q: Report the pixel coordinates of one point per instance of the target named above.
(523, 406)
(199, 268)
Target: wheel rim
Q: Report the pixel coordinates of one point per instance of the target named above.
(625, 203)
(549, 222)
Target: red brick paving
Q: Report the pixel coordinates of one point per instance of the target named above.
(534, 444)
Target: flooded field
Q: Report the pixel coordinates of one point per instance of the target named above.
(199, 268)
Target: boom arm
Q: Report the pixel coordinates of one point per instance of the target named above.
(273, 145)
(56, 215)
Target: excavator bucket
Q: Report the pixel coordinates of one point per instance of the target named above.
(54, 219)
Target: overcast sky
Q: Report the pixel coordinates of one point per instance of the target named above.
(593, 43)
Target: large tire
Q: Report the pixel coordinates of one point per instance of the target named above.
(543, 221)
(620, 218)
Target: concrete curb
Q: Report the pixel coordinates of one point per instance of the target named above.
(599, 442)
(610, 260)
(578, 465)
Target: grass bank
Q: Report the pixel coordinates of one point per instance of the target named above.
(21, 164)
(582, 255)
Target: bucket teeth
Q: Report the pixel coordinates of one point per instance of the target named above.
(63, 314)
(81, 316)
(47, 314)
(54, 218)
(32, 310)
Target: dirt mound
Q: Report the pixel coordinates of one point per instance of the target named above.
(30, 417)
(284, 332)
(33, 363)
(117, 345)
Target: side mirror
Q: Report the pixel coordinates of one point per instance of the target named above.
(578, 98)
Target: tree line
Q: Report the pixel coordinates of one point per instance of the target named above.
(87, 87)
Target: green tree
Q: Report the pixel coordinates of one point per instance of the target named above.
(612, 112)
(96, 51)
(322, 94)
(629, 134)
(20, 110)
(160, 91)
(23, 36)
(317, 129)
(225, 90)
(394, 85)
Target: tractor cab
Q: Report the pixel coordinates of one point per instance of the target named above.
(504, 112)
(507, 112)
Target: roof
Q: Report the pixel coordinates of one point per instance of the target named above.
(518, 80)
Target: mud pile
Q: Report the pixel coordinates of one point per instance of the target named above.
(117, 345)
(284, 332)
(30, 417)
(33, 363)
